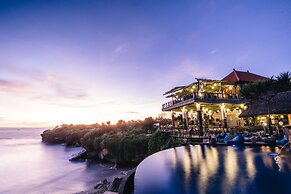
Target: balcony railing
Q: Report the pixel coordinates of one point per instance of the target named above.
(203, 97)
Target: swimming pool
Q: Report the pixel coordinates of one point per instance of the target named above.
(223, 169)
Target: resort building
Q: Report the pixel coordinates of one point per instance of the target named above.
(209, 104)
(277, 106)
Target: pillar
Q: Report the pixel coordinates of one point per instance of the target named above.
(184, 117)
(223, 115)
(199, 119)
(173, 119)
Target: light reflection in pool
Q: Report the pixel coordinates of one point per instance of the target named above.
(202, 169)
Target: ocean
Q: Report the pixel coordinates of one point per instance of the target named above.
(29, 166)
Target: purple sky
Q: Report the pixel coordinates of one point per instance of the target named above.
(85, 61)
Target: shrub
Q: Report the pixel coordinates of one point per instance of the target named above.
(158, 142)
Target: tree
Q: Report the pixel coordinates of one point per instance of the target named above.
(283, 82)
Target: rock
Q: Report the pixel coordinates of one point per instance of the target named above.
(115, 184)
(80, 156)
(102, 186)
(123, 173)
(105, 181)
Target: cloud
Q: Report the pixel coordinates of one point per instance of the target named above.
(44, 90)
(242, 58)
(40, 85)
(17, 123)
(213, 51)
(132, 112)
(78, 105)
(190, 69)
(71, 93)
(120, 49)
(13, 86)
(23, 72)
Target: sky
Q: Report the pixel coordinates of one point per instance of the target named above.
(88, 61)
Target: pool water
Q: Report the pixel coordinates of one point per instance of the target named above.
(223, 169)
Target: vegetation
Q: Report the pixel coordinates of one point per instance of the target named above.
(280, 83)
(122, 142)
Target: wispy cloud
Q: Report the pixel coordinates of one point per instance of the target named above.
(132, 112)
(77, 105)
(119, 50)
(16, 123)
(213, 51)
(188, 68)
(13, 86)
(43, 85)
(23, 72)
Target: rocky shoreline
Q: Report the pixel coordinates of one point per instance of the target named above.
(111, 184)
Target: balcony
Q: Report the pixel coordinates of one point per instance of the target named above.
(204, 97)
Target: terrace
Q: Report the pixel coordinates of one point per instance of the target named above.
(205, 91)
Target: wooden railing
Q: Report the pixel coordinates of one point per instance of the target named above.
(200, 96)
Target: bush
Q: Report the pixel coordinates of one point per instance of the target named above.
(124, 141)
(158, 141)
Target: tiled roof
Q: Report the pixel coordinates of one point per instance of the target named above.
(242, 77)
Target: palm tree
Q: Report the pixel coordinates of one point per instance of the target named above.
(283, 82)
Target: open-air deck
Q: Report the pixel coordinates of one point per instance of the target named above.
(206, 97)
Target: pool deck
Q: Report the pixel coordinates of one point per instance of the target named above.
(245, 144)
(205, 141)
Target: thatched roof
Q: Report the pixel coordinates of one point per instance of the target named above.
(279, 104)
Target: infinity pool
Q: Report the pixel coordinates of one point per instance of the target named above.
(224, 169)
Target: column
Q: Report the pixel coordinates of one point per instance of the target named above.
(173, 119)
(184, 117)
(199, 119)
(223, 115)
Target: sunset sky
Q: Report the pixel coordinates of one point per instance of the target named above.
(88, 61)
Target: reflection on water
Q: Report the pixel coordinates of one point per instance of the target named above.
(203, 169)
(231, 170)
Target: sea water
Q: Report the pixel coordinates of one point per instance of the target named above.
(29, 166)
